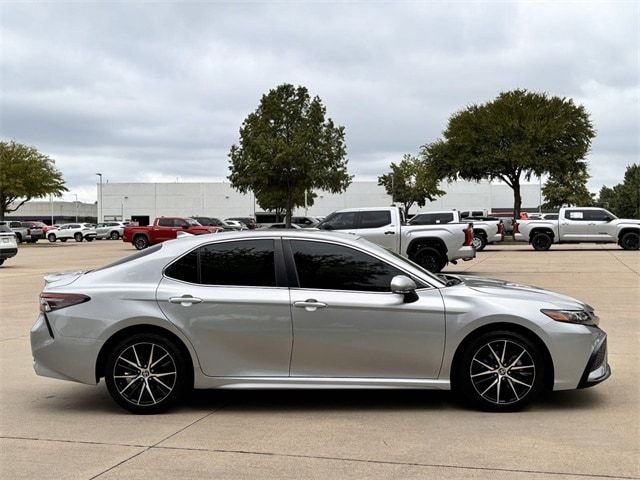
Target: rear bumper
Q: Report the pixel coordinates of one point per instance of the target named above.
(498, 237)
(8, 252)
(518, 237)
(463, 253)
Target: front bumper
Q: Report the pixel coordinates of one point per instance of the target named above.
(66, 358)
(597, 369)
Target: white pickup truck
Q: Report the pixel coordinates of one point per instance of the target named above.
(431, 246)
(580, 225)
(485, 229)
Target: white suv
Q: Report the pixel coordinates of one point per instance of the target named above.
(76, 231)
(112, 230)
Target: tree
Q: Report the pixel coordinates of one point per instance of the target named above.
(515, 136)
(25, 174)
(624, 198)
(287, 147)
(409, 182)
(567, 189)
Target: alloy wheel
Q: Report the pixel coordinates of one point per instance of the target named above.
(145, 374)
(502, 372)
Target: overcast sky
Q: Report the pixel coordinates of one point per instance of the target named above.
(156, 91)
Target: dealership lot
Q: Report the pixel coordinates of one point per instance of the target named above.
(50, 428)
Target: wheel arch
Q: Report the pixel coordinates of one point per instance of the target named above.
(125, 332)
(537, 230)
(417, 243)
(625, 230)
(513, 327)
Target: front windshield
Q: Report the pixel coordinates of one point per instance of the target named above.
(193, 222)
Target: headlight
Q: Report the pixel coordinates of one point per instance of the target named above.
(581, 317)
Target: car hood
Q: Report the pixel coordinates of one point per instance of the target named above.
(628, 220)
(514, 290)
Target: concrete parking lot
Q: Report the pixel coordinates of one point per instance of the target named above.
(56, 429)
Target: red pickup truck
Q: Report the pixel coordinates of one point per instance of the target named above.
(163, 229)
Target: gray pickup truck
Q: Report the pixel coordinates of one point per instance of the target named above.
(23, 234)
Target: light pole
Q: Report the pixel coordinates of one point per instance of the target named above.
(76, 195)
(51, 203)
(100, 212)
(122, 204)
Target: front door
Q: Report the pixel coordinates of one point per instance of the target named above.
(225, 298)
(347, 323)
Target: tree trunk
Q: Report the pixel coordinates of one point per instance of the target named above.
(517, 200)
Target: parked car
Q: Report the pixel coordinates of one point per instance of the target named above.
(110, 230)
(23, 234)
(280, 226)
(163, 229)
(8, 243)
(249, 222)
(75, 231)
(549, 216)
(305, 222)
(580, 225)
(430, 246)
(216, 222)
(222, 311)
(486, 230)
(36, 230)
(237, 224)
(46, 228)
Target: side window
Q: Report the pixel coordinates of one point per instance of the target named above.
(179, 222)
(245, 263)
(423, 219)
(185, 269)
(341, 221)
(165, 222)
(335, 267)
(576, 215)
(597, 215)
(375, 219)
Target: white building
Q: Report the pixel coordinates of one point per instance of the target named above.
(143, 202)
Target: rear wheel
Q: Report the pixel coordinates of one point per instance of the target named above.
(479, 241)
(541, 241)
(1, 261)
(430, 259)
(77, 237)
(140, 242)
(114, 236)
(630, 241)
(147, 373)
(500, 371)
(51, 237)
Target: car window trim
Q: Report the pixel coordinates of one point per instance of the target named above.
(278, 264)
(295, 282)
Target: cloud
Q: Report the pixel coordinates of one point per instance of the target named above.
(150, 91)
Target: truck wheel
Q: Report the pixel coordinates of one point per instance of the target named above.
(541, 242)
(479, 241)
(430, 259)
(114, 236)
(140, 242)
(500, 371)
(630, 241)
(18, 238)
(78, 237)
(51, 237)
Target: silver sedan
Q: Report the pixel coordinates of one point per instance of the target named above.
(300, 309)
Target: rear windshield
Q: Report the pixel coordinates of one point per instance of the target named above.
(129, 258)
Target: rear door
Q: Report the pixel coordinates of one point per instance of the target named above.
(225, 296)
(378, 227)
(164, 230)
(574, 225)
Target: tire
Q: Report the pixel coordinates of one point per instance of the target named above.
(430, 259)
(114, 235)
(1, 261)
(77, 237)
(514, 369)
(630, 241)
(140, 242)
(51, 237)
(147, 393)
(63, 240)
(541, 242)
(89, 239)
(18, 238)
(479, 241)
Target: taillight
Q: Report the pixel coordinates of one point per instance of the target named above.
(516, 227)
(55, 301)
(468, 236)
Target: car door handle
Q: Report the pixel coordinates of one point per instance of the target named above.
(310, 305)
(185, 300)
(389, 232)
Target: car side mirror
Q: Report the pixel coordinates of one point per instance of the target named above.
(607, 218)
(403, 285)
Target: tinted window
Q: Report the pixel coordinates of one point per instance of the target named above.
(334, 267)
(431, 218)
(375, 219)
(245, 263)
(597, 215)
(340, 221)
(165, 222)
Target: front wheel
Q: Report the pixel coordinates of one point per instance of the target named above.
(541, 242)
(114, 236)
(500, 371)
(430, 259)
(630, 241)
(147, 373)
(77, 237)
(51, 237)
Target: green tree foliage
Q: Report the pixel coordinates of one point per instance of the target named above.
(287, 147)
(623, 199)
(515, 136)
(411, 181)
(567, 189)
(25, 174)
